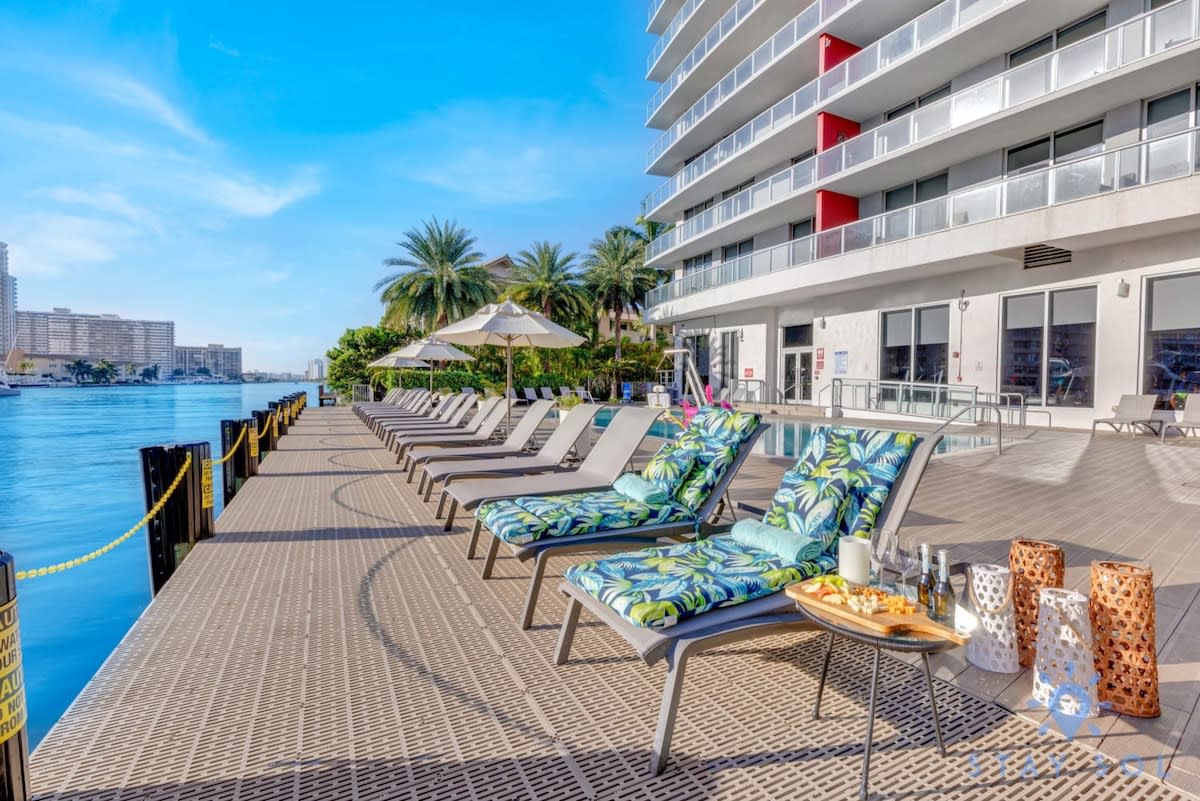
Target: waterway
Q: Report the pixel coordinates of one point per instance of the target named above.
(70, 481)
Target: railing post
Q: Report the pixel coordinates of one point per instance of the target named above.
(229, 479)
(14, 736)
(187, 516)
(249, 455)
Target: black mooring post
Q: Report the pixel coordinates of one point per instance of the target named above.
(261, 421)
(187, 516)
(247, 457)
(230, 429)
(14, 736)
(277, 408)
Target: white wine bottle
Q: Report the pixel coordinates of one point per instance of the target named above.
(942, 601)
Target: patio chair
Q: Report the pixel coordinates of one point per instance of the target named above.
(1189, 421)
(481, 430)
(728, 592)
(548, 394)
(530, 395)
(607, 459)
(511, 394)
(1135, 411)
(536, 528)
(584, 395)
(450, 415)
(402, 400)
(414, 407)
(468, 390)
(517, 440)
(549, 458)
(565, 392)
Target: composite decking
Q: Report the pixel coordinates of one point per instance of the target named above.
(332, 642)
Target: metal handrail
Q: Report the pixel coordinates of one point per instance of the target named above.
(976, 407)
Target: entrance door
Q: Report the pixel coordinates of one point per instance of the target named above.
(797, 376)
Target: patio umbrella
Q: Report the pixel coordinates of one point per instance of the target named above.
(511, 326)
(434, 350)
(394, 361)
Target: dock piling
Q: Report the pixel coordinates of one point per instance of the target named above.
(14, 736)
(187, 516)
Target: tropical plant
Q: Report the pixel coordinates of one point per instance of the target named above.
(442, 279)
(104, 372)
(80, 370)
(178, 372)
(131, 370)
(544, 279)
(618, 278)
(25, 366)
(203, 371)
(569, 402)
(150, 373)
(347, 361)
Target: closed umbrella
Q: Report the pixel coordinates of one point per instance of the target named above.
(511, 326)
(434, 350)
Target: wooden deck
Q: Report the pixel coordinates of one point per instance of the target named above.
(332, 642)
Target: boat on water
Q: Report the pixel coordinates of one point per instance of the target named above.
(6, 389)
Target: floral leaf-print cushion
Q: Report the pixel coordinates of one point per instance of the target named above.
(713, 458)
(525, 520)
(670, 466)
(726, 425)
(809, 506)
(659, 587)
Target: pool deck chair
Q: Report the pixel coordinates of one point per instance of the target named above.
(414, 407)
(549, 458)
(607, 521)
(608, 458)
(584, 395)
(721, 622)
(530, 395)
(1135, 411)
(1190, 421)
(548, 394)
(450, 416)
(565, 392)
(517, 440)
(399, 402)
(479, 431)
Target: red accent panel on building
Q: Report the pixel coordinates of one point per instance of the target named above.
(834, 51)
(834, 209)
(832, 129)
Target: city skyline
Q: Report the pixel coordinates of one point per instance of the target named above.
(178, 162)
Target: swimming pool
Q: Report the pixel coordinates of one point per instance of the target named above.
(786, 436)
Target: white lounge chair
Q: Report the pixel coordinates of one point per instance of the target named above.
(1134, 411)
(1189, 421)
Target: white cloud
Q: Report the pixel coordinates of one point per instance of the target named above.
(118, 87)
(494, 175)
(276, 276)
(221, 47)
(72, 138)
(108, 202)
(56, 245)
(247, 196)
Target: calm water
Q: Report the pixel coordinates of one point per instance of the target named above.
(71, 482)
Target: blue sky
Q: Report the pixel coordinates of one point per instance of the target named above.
(243, 168)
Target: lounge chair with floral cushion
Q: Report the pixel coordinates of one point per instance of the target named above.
(676, 601)
(682, 488)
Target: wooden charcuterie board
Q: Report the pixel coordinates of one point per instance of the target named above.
(885, 623)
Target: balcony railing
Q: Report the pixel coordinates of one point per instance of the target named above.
(914, 36)
(770, 51)
(733, 17)
(677, 22)
(655, 5)
(1140, 164)
(1139, 38)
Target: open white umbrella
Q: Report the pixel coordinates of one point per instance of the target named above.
(394, 361)
(511, 326)
(434, 350)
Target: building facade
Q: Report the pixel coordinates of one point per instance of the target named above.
(55, 338)
(217, 360)
(8, 306)
(316, 370)
(997, 197)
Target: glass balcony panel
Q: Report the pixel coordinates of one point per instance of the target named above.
(829, 162)
(1170, 26)
(831, 7)
(897, 44)
(931, 120)
(833, 81)
(931, 216)
(802, 251)
(1168, 158)
(969, 10)
(896, 226)
(762, 55)
(1129, 167)
(859, 235)
(1133, 40)
(1084, 178)
(977, 102)
(935, 23)
(782, 112)
(1082, 61)
(974, 206)
(804, 173)
(1027, 192)
(1028, 81)
(760, 263)
(862, 64)
(828, 243)
(893, 135)
(858, 150)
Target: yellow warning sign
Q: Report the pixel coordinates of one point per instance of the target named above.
(12, 682)
(206, 484)
(252, 437)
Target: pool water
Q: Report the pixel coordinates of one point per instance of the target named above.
(70, 483)
(786, 437)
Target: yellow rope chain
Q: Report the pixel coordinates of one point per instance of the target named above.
(45, 571)
(233, 450)
(267, 425)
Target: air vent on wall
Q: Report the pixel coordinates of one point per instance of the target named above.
(1044, 256)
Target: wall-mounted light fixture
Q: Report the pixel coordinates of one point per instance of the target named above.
(1122, 288)
(822, 323)
(741, 335)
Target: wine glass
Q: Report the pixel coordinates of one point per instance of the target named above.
(884, 547)
(906, 559)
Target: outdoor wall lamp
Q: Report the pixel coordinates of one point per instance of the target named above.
(822, 323)
(1122, 288)
(741, 335)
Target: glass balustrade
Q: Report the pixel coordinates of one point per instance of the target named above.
(677, 22)
(1167, 158)
(1103, 52)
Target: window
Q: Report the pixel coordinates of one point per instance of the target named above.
(798, 336)
(1172, 363)
(697, 263)
(729, 356)
(916, 192)
(1062, 146)
(1165, 116)
(1153, 4)
(728, 193)
(802, 229)
(915, 344)
(923, 100)
(1048, 347)
(1068, 34)
(699, 208)
(732, 252)
(805, 156)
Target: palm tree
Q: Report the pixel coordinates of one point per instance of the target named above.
(79, 370)
(442, 280)
(544, 278)
(617, 278)
(104, 372)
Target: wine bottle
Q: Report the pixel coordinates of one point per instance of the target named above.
(942, 600)
(925, 583)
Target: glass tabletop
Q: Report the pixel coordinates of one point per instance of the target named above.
(908, 641)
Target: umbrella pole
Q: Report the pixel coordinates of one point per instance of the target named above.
(431, 376)
(509, 390)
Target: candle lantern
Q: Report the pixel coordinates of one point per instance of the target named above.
(993, 644)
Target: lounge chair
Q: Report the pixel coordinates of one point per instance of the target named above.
(538, 527)
(530, 395)
(450, 415)
(548, 394)
(549, 458)
(418, 405)
(1189, 421)
(584, 395)
(1135, 411)
(511, 394)
(479, 431)
(726, 592)
(565, 392)
(603, 465)
(517, 440)
(468, 390)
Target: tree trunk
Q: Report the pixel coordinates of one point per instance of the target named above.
(616, 386)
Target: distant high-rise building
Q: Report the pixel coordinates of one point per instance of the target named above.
(316, 370)
(55, 338)
(218, 360)
(8, 305)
